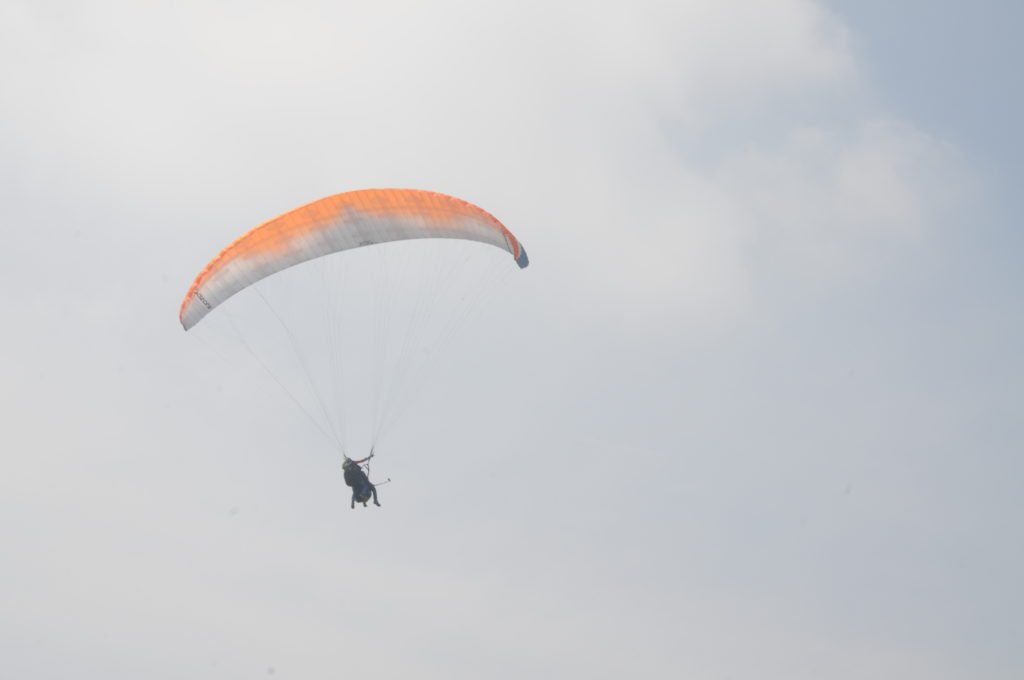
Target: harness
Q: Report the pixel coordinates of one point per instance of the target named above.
(357, 476)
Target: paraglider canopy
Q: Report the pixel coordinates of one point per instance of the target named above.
(340, 222)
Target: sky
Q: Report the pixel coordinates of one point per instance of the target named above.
(754, 410)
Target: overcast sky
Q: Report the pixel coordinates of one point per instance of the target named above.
(754, 410)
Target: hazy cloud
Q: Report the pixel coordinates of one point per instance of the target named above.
(744, 415)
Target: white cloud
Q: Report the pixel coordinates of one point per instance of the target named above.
(822, 200)
(709, 145)
(664, 163)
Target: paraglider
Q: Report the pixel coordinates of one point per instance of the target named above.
(344, 334)
(356, 478)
